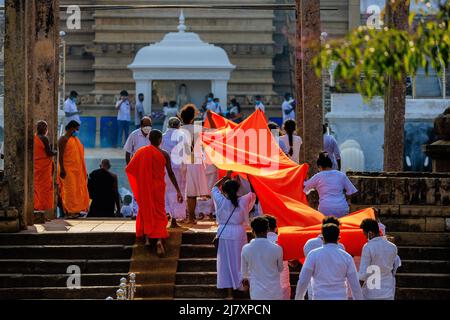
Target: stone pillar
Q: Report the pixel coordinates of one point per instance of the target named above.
(145, 87)
(395, 97)
(18, 112)
(31, 79)
(308, 85)
(220, 88)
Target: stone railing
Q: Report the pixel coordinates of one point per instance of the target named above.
(407, 201)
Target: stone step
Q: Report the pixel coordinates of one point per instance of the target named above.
(67, 238)
(423, 280)
(57, 280)
(190, 278)
(34, 266)
(197, 251)
(204, 292)
(424, 253)
(424, 266)
(422, 294)
(202, 238)
(66, 252)
(422, 239)
(97, 292)
(197, 265)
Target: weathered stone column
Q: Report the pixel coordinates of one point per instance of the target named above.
(44, 21)
(395, 97)
(31, 68)
(308, 85)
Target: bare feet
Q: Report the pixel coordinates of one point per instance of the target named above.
(160, 251)
(147, 242)
(201, 216)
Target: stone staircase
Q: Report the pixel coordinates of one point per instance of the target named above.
(34, 266)
(425, 273)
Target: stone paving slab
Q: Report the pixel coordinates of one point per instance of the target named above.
(84, 225)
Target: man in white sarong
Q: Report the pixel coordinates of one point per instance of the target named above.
(171, 139)
(378, 253)
(331, 267)
(285, 280)
(262, 263)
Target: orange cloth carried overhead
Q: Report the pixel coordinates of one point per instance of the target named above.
(146, 173)
(74, 191)
(43, 177)
(250, 150)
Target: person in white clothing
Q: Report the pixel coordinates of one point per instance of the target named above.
(262, 264)
(332, 186)
(218, 106)
(291, 140)
(317, 242)
(288, 108)
(123, 117)
(138, 138)
(330, 267)
(70, 109)
(196, 181)
(330, 145)
(170, 110)
(285, 280)
(171, 139)
(275, 130)
(259, 105)
(379, 256)
(139, 110)
(232, 217)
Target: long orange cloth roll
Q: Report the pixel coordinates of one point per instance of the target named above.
(74, 191)
(146, 173)
(250, 150)
(43, 177)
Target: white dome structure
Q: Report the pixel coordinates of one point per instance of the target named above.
(181, 56)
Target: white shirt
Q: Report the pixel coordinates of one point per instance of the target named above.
(261, 107)
(262, 263)
(70, 107)
(381, 253)
(236, 227)
(286, 106)
(126, 211)
(285, 279)
(330, 145)
(330, 267)
(296, 144)
(331, 185)
(124, 113)
(135, 141)
(309, 246)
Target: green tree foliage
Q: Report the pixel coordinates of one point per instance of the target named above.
(367, 55)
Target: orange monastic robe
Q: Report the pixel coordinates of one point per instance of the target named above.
(43, 177)
(74, 191)
(146, 173)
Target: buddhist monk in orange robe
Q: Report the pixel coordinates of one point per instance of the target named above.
(43, 169)
(146, 173)
(72, 173)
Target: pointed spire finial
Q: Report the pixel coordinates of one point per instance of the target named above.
(181, 26)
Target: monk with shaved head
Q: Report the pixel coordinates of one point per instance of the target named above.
(43, 169)
(146, 173)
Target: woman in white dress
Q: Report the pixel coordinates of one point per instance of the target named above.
(171, 139)
(333, 186)
(291, 140)
(232, 235)
(196, 182)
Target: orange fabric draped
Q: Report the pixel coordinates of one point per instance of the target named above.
(250, 150)
(146, 173)
(74, 191)
(43, 177)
